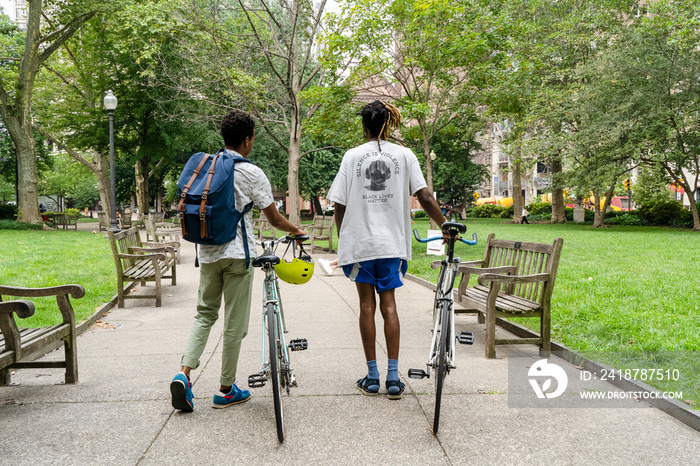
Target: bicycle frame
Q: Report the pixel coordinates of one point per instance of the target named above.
(443, 294)
(271, 295)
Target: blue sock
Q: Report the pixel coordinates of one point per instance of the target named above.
(372, 371)
(393, 371)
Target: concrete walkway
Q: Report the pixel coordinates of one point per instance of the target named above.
(119, 413)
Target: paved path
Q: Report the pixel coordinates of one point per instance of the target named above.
(119, 413)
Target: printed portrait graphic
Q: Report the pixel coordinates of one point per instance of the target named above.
(377, 173)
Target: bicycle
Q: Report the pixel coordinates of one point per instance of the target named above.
(441, 358)
(276, 367)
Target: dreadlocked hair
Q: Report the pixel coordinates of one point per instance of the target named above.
(379, 118)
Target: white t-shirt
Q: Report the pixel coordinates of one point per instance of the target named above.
(376, 188)
(249, 184)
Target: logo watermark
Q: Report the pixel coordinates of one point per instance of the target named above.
(638, 380)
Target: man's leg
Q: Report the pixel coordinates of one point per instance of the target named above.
(208, 304)
(238, 287)
(368, 305)
(392, 327)
(368, 331)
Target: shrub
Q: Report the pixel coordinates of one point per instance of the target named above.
(540, 208)
(420, 214)
(540, 217)
(488, 211)
(8, 212)
(507, 212)
(628, 219)
(14, 225)
(664, 213)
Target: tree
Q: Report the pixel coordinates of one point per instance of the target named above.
(17, 85)
(117, 52)
(426, 56)
(256, 55)
(651, 76)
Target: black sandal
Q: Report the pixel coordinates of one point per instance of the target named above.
(364, 383)
(395, 383)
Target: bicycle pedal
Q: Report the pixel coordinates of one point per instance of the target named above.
(417, 374)
(256, 380)
(465, 337)
(299, 344)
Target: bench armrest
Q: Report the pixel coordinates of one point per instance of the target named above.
(20, 307)
(76, 291)
(513, 279)
(160, 245)
(156, 255)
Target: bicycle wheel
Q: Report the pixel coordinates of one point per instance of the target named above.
(275, 375)
(441, 369)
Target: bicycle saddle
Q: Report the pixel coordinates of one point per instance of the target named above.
(262, 260)
(460, 227)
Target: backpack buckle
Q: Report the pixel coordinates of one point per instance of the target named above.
(204, 196)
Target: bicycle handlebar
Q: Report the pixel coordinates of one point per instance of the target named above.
(285, 239)
(427, 240)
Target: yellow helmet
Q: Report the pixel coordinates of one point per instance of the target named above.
(297, 271)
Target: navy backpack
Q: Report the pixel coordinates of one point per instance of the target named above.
(207, 204)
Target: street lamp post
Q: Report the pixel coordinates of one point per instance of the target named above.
(110, 104)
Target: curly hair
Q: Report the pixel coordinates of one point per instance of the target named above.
(236, 126)
(379, 117)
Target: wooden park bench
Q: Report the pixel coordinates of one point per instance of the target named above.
(137, 261)
(515, 279)
(61, 219)
(263, 229)
(321, 230)
(20, 346)
(103, 218)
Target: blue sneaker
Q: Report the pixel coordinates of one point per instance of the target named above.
(181, 390)
(233, 397)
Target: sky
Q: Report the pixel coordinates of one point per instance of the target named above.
(6, 4)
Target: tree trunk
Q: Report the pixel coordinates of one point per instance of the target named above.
(694, 209)
(599, 219)
(517, 187)
(293, 174)
(558, 212)
(316, 205)
(27, 174)
(141, 190)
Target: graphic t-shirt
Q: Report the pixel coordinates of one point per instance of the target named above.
(376, 188)
(250, 184)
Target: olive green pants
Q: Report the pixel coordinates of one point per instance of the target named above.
(228, 278)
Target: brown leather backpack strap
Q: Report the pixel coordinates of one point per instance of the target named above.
(195, 174)
(205, 194)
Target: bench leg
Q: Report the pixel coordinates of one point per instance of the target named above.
(490, 334)
(5, 377)
(71, 352)
(120, 292)
(545, 333)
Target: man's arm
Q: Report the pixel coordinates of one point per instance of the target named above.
(339, 215)
(430, 205)
(278, 221)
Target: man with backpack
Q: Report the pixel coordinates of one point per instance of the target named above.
(225, 271)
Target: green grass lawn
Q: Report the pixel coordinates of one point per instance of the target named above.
(58, 257)
(626, 296)
(619, 291)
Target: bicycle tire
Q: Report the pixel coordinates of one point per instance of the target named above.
(441, 369)
(275, 375)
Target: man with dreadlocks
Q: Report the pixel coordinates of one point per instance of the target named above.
(372, 193)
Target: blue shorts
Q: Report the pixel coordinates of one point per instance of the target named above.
(383, 274)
